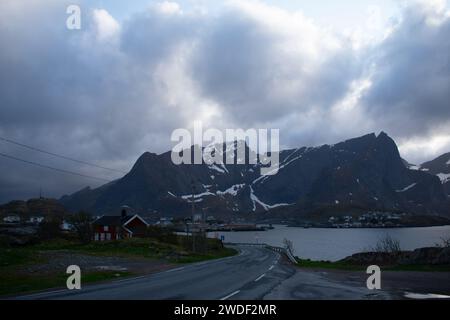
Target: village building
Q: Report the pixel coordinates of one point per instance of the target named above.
(11, 219)
(108, 228)
(35, 219)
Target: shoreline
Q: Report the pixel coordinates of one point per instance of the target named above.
(368, 228)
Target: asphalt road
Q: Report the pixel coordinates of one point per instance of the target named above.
(256, 273)
(251, 274)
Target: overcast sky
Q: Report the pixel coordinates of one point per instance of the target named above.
(320, 71)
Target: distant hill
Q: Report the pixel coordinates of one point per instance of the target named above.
(33, 207)
(361, 174)
(441, 168)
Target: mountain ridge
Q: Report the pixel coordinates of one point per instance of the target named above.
(366, 172)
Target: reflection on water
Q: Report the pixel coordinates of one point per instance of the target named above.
(335, 244)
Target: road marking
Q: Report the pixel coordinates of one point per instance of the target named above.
(271, 268)
(260, 277)
(177, 269)
(129, 279)
(230, 295)
(412, 295)
(40, 294)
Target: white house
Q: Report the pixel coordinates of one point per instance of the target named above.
(36, 219)
(11, 219)
(164, 221)
(66, 226)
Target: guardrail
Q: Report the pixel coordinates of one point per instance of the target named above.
(281, 250)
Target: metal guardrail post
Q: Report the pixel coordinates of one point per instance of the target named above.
(287, 252)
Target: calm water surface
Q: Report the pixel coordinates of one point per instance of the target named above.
(335, 244)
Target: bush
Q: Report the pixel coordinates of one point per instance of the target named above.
(387, 245)
(445, 242)
(162, 234)
(50, 229)
(82, 223)
(198, 243)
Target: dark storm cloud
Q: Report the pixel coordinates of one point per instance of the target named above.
(112, 90)
(411, 84)
(72, 93)
(260, 71)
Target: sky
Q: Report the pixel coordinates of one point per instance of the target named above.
(320, 71)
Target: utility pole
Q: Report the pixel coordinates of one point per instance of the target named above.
(193, 213)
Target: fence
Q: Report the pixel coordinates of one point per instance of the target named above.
(281, 250)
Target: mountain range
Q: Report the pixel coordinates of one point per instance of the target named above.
(355, 176)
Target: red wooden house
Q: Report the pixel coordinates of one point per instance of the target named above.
(108, 228)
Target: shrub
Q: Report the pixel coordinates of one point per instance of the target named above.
(444, 243)
(82, 224)
(387, 245)
(162, 234)
(50, 229)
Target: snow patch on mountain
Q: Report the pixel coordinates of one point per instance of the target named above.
(284, 164)
(265, 206)
(196, 196)
(407, 188)
(445, 177)
(233, 190)
(219, 168)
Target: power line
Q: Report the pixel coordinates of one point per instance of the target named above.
(58, 155)
(52, 168)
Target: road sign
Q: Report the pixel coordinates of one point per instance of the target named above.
(222, 238)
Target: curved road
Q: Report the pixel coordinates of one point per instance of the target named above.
(251, 274)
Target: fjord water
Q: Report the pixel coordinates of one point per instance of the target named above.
(336, 244)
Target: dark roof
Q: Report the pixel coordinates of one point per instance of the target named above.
(112, 220)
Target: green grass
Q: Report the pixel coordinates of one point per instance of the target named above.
(17, 256)
(131, 248)
(309, 264)
(12, 283)
(138, 248)
(143, 248)
(225, 252)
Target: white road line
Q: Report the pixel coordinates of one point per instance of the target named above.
(74, 291)
(230, 295)
(177, 269)
(260, 277)
(271, 268)
(412, 295)
(129, 279)
(41, 294)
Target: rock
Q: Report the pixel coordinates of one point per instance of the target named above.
(444, 256)
(422, 256)
(370, 258)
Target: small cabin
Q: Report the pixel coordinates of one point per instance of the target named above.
(12, 219)
(108, 228)
(35, 219)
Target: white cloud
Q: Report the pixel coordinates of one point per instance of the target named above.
(107, 27)
(168, 7)
(418, 149)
